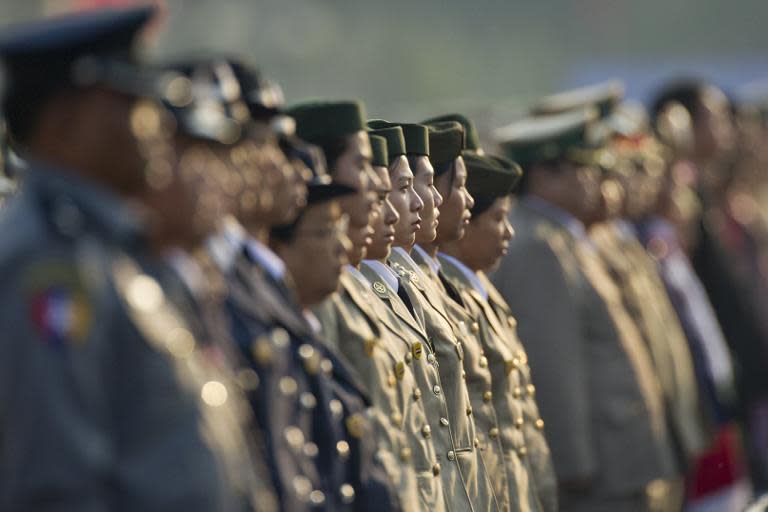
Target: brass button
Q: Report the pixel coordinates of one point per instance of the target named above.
(248, 379)
(342, 448)
(347, 493)
(475, 327)
(511, 365)
(294, 437)
(391, 380)
(483, 362)
(487, 396)
(405, 454)
(437, 389)
(426, 431)
(522, 451)
(288, 386)
(308, 400)
(400, 370)
(517, 392)
(355, 425)
(311, 450)
(519, 423)
(493, 433)
(261, 349)
(327, 366)
(397, 418)
(431, 358)
(317, 497)
(337, 409)
(302, 486)
(436, 469)
(540, 424)
(280, 337)
(306, 351)
(444, 422)
(469, 410)
(451, 455)
(416, 394)
(531, 390)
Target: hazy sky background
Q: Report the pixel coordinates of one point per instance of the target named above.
(411, 58)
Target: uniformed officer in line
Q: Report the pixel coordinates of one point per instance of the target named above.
(259, 320)
(446, 141)
(84, 254)
(423, 303)
(635, 275)
(7, 182)
(595, 380)
(350, 323)
(465, 252)
(348, 451)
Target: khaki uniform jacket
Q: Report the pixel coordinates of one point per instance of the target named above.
(400, 322)
(356, 336)
(595, 381)
(539, 454)
(647, 302)
(450, 343)
(514, 491)
(510, 392)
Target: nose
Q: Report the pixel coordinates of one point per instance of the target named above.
(509, 231)
(416, 203)
(438, 197)
(470, 201)
(390, 214)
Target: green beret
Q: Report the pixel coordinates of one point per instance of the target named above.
(605, 96)
(379, 151)
(416, 136)
(446, 141)
(471, 138)
(320, 119)
(489, 177)
(547, 138)
(393, 135)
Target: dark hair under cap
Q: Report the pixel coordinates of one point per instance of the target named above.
(379, 151)
(446, 142)
(416, 136)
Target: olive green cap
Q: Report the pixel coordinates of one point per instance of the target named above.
(416, 136)
(604, 96)
(394, 138)
(489, 177)
(446, 141)
(317, 120)
(379, 151)
(548, 138)
(471, 138)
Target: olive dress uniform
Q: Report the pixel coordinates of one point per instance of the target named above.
(389, 289)
(430, 307)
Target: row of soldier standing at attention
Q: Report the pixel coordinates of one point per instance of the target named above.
(213, 301)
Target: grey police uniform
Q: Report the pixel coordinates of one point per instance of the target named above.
(108, 398)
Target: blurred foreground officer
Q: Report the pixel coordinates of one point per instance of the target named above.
(347, 449)
(109, 399)
(595, 381)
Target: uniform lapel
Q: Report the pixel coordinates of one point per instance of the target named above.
(390, 298)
